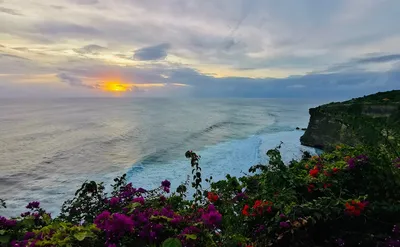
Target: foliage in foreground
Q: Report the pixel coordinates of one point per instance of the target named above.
(347, 197)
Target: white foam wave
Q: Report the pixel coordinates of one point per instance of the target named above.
(232, 157)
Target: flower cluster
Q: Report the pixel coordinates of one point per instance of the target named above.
(114, 225)
(212, 197)
(258, 208)
(33, 205)
(352, 163)
(355, 207)
(6, 223)
(211, 217)
(166, 185)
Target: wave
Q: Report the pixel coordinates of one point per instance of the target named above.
(232, 157)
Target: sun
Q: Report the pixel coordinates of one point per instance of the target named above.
(116, 87)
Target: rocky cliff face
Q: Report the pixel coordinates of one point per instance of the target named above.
(335, 123)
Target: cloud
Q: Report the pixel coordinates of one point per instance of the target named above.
(222, 48)
(60, 28)
(12, 56)
(90, 49)
(85, 2)
(156, 52)
(10, 11)
(380, 59)
(72, 81)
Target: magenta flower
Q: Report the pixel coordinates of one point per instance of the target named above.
(139, 200)
(33, 205)
(101, 221)
(5, 223)
(114, 201)
(212, 218)
(120, 224)
(25, 214)
(166, 183)
(141, 190)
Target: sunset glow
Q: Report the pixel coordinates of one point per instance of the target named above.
(116, 87)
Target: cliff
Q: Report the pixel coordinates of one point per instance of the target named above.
(353, 122)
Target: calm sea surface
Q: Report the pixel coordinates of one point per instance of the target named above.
(49, 147)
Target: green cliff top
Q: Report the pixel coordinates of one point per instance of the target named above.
(384, 98)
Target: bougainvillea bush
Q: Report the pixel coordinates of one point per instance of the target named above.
(347, 197)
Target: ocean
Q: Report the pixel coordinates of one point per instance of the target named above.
(49, 147)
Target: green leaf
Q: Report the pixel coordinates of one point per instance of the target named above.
(172, 242)
(28, 222)
(46, 218)
(80, 236)
(132, 206)
(2, 232)
(4, 239)
(191, 236)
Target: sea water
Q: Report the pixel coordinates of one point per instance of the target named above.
(49, 147)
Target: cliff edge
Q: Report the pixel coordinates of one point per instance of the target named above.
(353, 122)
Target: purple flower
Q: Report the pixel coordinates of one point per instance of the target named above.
(33, 205)
(284, 224)
(282, 215)
(139, 200)
(101, 220)
(212, 218)
(25, 214)
(5, 223)
(167, 212)
(111, 245)
(190, 230)
(114, 201)
(29, 235)
(176, 220)
(166, 183)
(120, 223)
(240, 196)
(351, 163)
(141, 190)
(166, 189)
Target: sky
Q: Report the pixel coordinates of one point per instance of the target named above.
(198, 48)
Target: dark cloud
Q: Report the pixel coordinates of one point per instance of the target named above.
(90, 49)
(9, 11)
(12, 56)
(156, 52)
(21, 48)
(72, 80)
(380, 59)
(356, 64)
